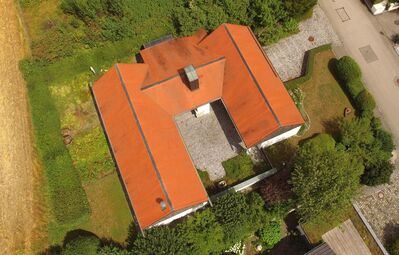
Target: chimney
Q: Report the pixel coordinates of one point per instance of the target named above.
(192, 77)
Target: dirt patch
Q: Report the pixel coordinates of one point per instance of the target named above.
(19, 174)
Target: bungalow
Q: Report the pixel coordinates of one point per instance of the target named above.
(137, 104)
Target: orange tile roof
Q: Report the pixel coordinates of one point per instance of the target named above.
(138, 102)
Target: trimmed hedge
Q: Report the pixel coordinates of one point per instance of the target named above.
(294, 83)
(365, 102)
(354, 88)
(348, 70)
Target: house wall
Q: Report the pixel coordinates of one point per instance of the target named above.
(381, 7)
(202, 110)
(281, 137)
(180, 215)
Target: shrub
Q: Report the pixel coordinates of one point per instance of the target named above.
(270, 234)
(354, 88)
(82, 244)
(275, 189)
(385, 139)
(238, 167)
(348, 70)
(377, 173)
(394, 247)
(365, 103)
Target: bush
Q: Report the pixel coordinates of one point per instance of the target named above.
(354, 88)
(270, 234)
(348, 70)
(275, 189)
(239, 167)
(81, 245)
(365, 103)
(378, 173)
(385, 139)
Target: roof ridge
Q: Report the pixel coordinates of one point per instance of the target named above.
(252, 75)
(131, 106)
(178, 74)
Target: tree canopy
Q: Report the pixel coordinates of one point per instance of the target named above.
(324, 178)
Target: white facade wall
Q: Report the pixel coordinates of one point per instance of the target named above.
(202, 110)
(381, 7)
(179, 215)
(281, 137)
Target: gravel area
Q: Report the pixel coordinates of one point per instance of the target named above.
(380, 205)
(210, 139)
(287, 55)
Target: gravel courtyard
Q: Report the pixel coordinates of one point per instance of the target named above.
(210, 139)
(287, 55)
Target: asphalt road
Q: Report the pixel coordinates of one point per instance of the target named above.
(358, 28)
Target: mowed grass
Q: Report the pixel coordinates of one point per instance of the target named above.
(110, 215)
(324, 102)
(315, 230)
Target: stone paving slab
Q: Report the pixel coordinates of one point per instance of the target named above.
(210, 139)
(380, 205)
(287, 55)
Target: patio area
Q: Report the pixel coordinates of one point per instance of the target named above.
(210, 139)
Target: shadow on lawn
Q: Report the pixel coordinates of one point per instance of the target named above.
(293, 243)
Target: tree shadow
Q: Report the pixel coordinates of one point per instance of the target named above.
(73, 234)
(281, 155)
(52, 250)
(391, 233)
(332, 127)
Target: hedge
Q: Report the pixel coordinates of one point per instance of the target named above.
(294, 83)
(365, 102)
(68, 199)
(348, 70)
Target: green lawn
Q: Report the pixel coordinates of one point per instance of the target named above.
(324, 102)
(110, 215)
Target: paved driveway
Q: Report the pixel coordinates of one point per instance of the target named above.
(360, 33)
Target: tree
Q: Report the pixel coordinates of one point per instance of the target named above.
(236, 10)
(377, 173)
(355, 133)
(270, 21)
(80, 243)
(298, 8)
(160, 240)
(203, 233)
(348, 70)
(324, 178)
(231, 211)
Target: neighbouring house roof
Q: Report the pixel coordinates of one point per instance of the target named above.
(138, 102)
